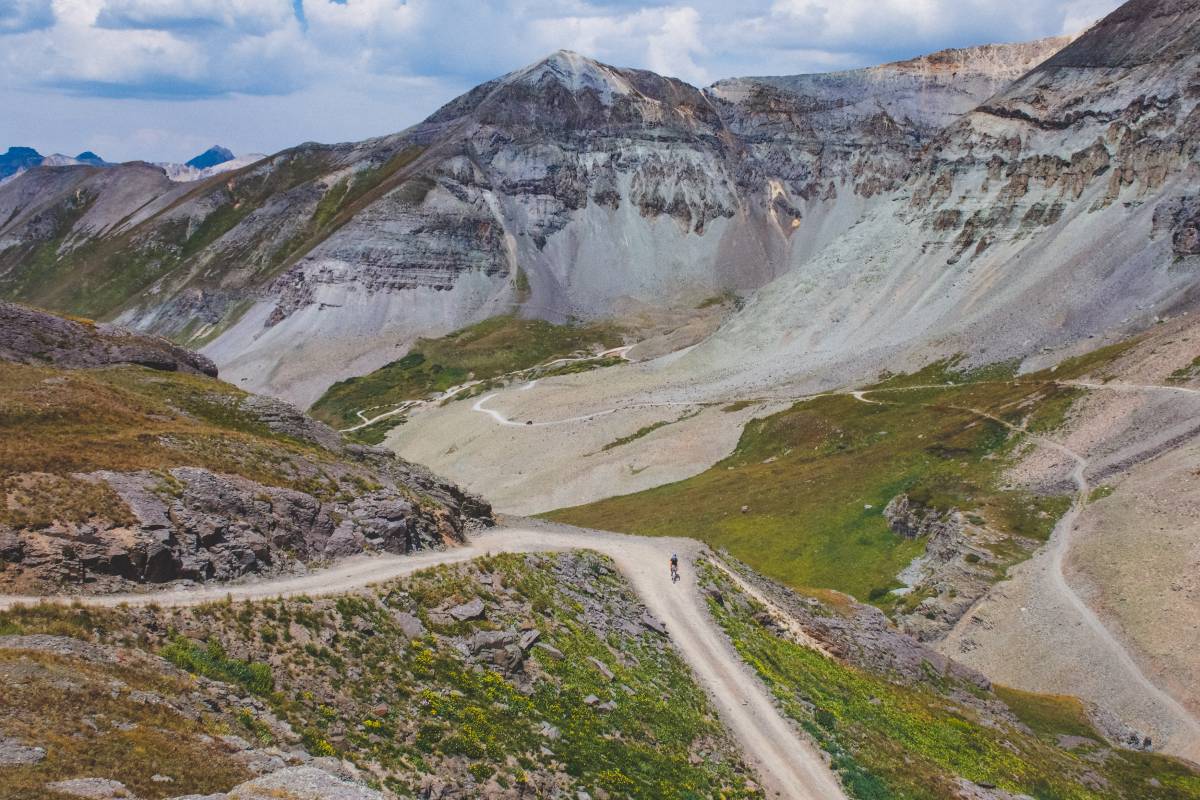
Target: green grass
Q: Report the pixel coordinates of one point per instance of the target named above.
(1185, 374)
(893, 741)
(211, 661)
(486, 350)
(353, 685)
(645, 431)
(815, 479)
(1049, 716)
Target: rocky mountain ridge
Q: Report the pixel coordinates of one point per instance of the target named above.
(513, 196)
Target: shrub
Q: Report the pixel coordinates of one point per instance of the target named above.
(211, 661)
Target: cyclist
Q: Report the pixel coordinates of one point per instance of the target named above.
(674, 567)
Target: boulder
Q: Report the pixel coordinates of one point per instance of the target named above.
(649, 621)
(16, 754)
(92, 789)
(302, 783)
(472, 609)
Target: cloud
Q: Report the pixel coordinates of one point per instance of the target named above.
(18, 16)
(185, 49)
(251, 17)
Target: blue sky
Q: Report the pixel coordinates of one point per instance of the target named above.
(163, 79)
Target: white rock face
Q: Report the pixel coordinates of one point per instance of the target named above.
(183, 173)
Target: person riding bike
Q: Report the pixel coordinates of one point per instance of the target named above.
(674, 567)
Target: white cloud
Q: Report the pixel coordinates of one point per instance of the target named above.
(254, 17)
(17, 16)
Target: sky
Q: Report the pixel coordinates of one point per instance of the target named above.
(161, 80)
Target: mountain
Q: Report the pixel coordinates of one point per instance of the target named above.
(88, 157)
(1058, 209)
(184, 173)
(210, 157)
(18, 159)
(511, 197)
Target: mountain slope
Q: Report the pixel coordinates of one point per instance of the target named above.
(1059, 209)
(511, 197)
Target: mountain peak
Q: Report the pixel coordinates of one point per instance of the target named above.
(18, 159)
(211, 157)
(576, 73)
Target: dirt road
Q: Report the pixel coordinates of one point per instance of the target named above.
(1051, 597)
(786, 764)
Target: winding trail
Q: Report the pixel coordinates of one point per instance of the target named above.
(1060, 545)
(858, 394)
(408, 405)
(786, 764)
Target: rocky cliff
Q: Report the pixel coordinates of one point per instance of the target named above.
(1059, 209)
(125, 464)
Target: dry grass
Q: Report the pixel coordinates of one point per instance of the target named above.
(38, 500)
(92, 723)
(60, 423)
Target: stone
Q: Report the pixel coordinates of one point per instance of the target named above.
(302, 783)
(409, 624)
(529, 638)
(551, 651)
(649, 621)
(472, 609)
(490, 640)
(92, 789)
(602, 668)
(16, 754)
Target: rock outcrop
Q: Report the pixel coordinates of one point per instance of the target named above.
(256, 488)
(954, 572)
(28, 336)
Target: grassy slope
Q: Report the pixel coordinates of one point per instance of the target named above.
(102, 276)
(352, 683)
(92, 722)
(816, 478)
(897, 742)
(59, 422)
(485, 350)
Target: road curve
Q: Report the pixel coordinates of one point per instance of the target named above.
(786, 764)
(1058, 548)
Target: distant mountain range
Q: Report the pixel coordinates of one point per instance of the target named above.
(214, 159)
(211, 157)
